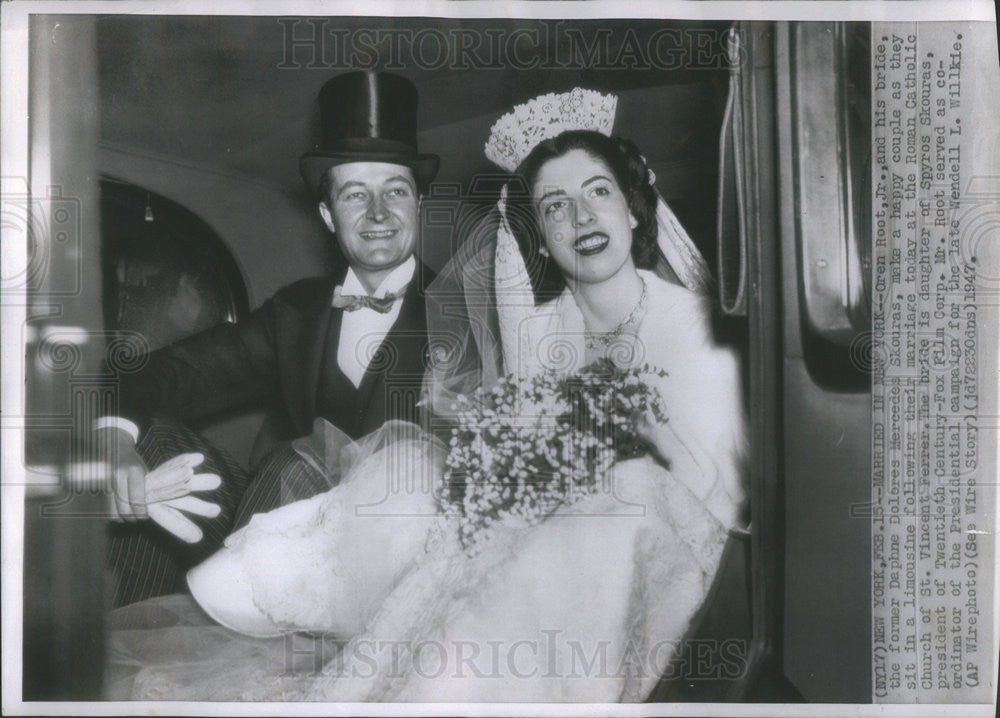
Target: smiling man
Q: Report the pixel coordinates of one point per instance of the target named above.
(372, 208)
(349, 349)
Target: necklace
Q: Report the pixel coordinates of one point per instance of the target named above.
(600, 342)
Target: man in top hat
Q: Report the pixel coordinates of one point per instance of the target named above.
(350, 349)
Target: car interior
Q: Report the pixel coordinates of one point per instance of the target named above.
(172, 144)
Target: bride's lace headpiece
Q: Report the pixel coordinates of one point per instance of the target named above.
(514, 135)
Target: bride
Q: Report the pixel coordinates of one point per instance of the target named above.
(369, 592)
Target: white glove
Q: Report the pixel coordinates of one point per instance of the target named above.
(168, 489)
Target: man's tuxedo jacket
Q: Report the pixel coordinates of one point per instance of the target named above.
(282, 356)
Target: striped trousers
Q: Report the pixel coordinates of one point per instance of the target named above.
(145, 561)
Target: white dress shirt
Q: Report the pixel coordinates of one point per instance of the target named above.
(362, 331)
(118, 422)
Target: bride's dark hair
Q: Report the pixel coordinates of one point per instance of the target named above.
(631, 174)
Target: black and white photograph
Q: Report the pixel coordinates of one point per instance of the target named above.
(481, 358)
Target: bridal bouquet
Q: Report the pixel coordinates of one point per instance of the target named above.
(527, 446)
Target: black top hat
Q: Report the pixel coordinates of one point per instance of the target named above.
(368, 117)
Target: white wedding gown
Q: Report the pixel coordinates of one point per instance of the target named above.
(370, 597)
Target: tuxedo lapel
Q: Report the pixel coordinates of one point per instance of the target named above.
(317, 327)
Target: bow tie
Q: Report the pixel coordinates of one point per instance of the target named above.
(353, 302)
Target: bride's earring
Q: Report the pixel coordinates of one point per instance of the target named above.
(543, 251)
(632, 221)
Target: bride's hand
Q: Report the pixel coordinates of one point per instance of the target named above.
(694, 464)
(684, 454)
